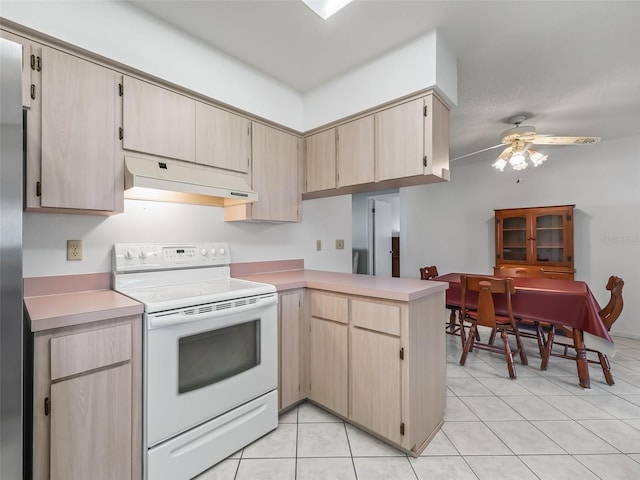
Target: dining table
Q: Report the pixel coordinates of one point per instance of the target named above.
(561, 302)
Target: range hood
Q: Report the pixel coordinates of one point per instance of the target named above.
(146, 179)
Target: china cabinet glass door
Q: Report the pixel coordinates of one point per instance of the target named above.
(514, 239)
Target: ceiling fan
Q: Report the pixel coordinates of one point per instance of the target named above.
(520, 140)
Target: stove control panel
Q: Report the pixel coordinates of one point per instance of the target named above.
(158, 256)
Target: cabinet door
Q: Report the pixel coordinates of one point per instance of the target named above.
(553, 237)
(399, 140)
(78, 133)
(513, 237)
(320, 157)
(290, 359)
(91, 426)
(376, 382)
(28, 64)
(274, 174)
(328, 364)
(355, 152)
(158, 121)
(223, 139)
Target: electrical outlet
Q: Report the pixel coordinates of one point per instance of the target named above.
(318, 245)
(339, 244)
(74, 249)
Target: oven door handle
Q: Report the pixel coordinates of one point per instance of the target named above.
(180, 316)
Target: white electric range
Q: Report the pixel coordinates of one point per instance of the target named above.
(210, 354)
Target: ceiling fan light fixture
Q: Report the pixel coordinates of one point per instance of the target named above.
(500, 163)
(537, 158)
(518, 161)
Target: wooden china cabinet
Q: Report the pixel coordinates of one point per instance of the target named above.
(540, 237)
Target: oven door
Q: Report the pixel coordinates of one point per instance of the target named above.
(203, 361)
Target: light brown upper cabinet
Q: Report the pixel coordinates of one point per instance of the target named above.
(158, 121)
(274, 176)
(412, 139)
(72, 137)
(355, 157)
(223, 139)
(320, 154)
(30, 62)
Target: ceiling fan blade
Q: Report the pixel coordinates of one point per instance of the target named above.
(477, 151)
(564, 140)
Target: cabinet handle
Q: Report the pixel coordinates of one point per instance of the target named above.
(39, 64)
(47, 406)
(33, 92)
(33, 62)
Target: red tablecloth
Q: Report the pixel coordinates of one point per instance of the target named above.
(563, 302)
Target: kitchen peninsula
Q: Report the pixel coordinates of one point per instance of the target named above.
(368, 349)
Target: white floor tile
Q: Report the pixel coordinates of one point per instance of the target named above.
(442, 468)
(325, 469)
(500, 468)
(322, 440)
(383, 468)
(542, 386)
(557, 467)
(289, 417)
(280, 443)
(467, 387)
(267, 469)
(440, 445)
(616, 432)
(522, 438)
(574, 438)
(616, 406)
(457, 411)
(364, 445)
(474, 438)
(575, 407)
(611, 467)
(499, 387)
(225, 470)
(309, 413)
(534, 408)
(490, 408)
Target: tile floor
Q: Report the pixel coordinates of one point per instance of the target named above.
(540, 426)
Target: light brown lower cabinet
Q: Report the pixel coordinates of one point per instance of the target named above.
(87, 401)
(380, 364)
(290, 348)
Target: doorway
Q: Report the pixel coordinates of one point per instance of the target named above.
(376, 223)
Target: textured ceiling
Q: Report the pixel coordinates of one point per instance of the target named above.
(573, 65)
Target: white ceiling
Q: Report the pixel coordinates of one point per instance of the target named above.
(573, 65)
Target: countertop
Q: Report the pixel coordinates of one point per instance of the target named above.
(401, 289)
(67, 309)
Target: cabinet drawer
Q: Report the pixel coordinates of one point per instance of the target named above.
(558, 275)
(330, 307)
(376, 316)
(81, 352)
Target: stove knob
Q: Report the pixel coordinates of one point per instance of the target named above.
(222, 251)
(213, 251)
(128, 253)
(142, 254)
(204, 252)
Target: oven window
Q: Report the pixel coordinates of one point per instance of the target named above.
(213, 356)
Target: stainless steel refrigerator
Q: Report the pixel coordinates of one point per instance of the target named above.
(11, 319)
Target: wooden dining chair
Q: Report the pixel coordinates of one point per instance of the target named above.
(528, 328)
(563, 336)
(485, 315)
(455, 325)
